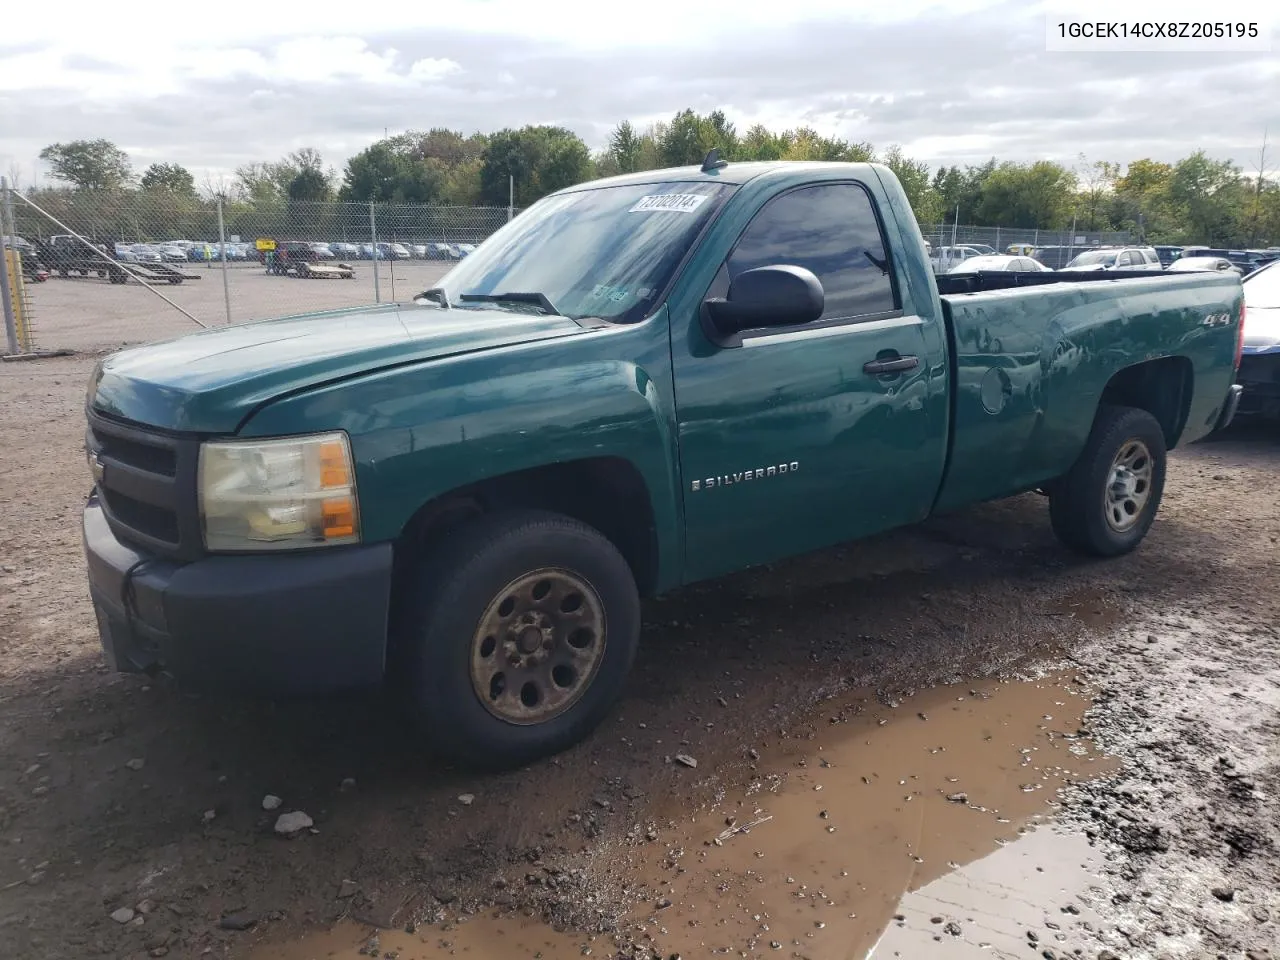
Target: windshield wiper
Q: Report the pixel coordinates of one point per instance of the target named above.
(436, 295)
(537, 299)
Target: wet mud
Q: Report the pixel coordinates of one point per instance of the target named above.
(861, 803)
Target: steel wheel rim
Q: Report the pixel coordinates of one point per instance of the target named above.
(1128, 487)
(538, 646)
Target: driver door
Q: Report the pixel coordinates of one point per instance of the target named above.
(791, 439)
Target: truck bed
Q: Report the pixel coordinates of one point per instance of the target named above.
(949, 283)
(1032, 365)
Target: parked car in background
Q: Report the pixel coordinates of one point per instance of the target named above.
(1120, 258)
(23, 246)
(1057, 257)
(1167, 253)
(440, 251)
(419, 251)
(982, 249)
(345, 251)
(146, 253)
(466, 249)
(1215, 264)
(172, 253)
(393, 251)
(1260, 354)
(1001, 262)
(1244, 259)
(949, 257)
(322, 251)
(1020, 249)
(1262, 257)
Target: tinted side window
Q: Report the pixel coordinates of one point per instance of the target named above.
(832, 230)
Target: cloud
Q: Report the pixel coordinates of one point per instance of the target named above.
(953, 83)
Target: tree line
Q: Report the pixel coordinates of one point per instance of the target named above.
(1195, 200)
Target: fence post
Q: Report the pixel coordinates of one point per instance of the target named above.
(222, 247)
(997, 239)
(373, 236)
(6, 291)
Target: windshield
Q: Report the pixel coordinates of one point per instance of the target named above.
(608, 252)
(1104, 257)
(1262, 289)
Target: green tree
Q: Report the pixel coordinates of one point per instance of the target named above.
(375, 173)
(172, 177)
(1207, 196)
(761, 143)
(309, 184)
(914, 177)
(1140, 201)
(1097, 180)
(805, 143)
(542, 159)
(686, 140)
(1039, 195)
(624, 148)
(89, 164)
(264, 183)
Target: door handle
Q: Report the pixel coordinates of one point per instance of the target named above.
(896, 365)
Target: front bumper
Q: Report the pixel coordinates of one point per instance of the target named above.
(286, 623)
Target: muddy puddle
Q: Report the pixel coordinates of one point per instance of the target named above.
(872, 830)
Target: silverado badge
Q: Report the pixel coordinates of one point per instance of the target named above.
(742, 476)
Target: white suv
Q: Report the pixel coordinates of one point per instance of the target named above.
(1117, 258)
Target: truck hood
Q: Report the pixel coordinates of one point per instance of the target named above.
(209, 382)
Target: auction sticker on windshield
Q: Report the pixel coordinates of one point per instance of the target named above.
(675, 202)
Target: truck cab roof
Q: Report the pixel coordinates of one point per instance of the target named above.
(736, 174)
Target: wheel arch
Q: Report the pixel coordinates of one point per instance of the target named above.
(1163, 387)
(607, 493)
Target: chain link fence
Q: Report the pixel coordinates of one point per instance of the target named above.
(136, 266)
(1000, 239)
(101, 269)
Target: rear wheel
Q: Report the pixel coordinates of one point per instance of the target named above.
(1107, 503)
(516, 637)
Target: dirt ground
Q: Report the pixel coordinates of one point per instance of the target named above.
(955, 740)
(88, 313)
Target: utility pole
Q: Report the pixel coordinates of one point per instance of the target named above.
(1257, 190)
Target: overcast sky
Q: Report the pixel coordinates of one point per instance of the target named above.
(955, 82)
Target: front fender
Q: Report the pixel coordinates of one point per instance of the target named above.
(419, 431)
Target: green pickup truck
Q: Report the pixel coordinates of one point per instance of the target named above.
(638, 383)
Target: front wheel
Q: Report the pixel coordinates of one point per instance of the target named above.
(1107, 503)
(517, 637)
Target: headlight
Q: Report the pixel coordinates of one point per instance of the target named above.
(91, 388)
(278, 494)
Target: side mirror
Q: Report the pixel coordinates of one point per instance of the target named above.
(773, 296)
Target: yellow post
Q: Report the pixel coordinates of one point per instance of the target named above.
(17, 294)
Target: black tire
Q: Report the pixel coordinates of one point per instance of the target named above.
(455, 587)
(1081, 509)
